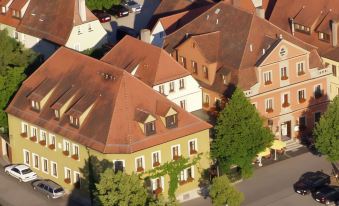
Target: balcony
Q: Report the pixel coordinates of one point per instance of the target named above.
(33, 138)
(42, 142)
(23, 134)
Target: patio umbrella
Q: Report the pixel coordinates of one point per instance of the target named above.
(277, 145)
(266, 152)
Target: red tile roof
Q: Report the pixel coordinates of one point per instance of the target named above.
(115, 97)
(156, 66)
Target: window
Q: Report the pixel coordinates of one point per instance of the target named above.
(16, 35)
(171, 121)
(3, 9)
(51, 141)
(301, 96)
(35, 105)
(334, 70)
(77, 179)
(300, 68)
(194, 67)
(66, 148)
(33, 136)
(181, 83)
(44, 164)
(183, 61)
(140, 164)
(302, 123)
(119, 165)
(74, 121)
(150, 128)
(205, 70)
(285, 101)
(35, 161)
(324, 36)
(317, 116)
(54, 169)
(175, 152)
(317, 91)
(171, 85)
(224, 80)
(186, 175)
(156, 159)
(43, 137)
(157, 185)
(24, 129)
(269, 105)
(183, 104)
(268, 77)
(67, 175)
(162, 89)
(26, 157)
(90, 28)
(75, 152)
(283, 73)
(192, 146)
(206, 100)
(79, 30)
(57, 114)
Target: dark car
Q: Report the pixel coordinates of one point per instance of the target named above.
(327, 195)
(102, 15)
(123, 31)
(119, 11)
(48, 188)
(310, 182)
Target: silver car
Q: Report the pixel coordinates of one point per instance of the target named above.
(131, 5)
(48, 188)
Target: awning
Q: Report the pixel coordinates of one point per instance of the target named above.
(278, 145)
(266, 152)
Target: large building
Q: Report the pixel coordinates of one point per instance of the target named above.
(156, 68)
(282, 76)
(44, 25)
(75, 106)
(315, 22)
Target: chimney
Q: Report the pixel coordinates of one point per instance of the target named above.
(292, 25)
(145, 35)
(82, 10)
(334, 25)
(260, 12)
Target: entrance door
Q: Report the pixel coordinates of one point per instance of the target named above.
(284, 129)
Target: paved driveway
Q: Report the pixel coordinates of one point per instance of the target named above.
(272, 185)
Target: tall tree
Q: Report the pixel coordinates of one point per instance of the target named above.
(326, 132)
(120, 189)
(240, 135)
(14, 59)
(222, 193)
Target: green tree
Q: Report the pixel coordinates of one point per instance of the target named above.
(101, 4)
(120, 189)
(14, 59)
(326, 132)
(222, 192)
(240, 135)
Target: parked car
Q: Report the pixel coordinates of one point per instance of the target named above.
(327, 195)
(131, 5)
(123, 31)
(310, 182)
(48, 188)
(22, 172)
(102, 15)
(119, 11)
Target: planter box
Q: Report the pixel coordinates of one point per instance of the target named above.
(193, 152)
(284, 77)
(24, 134)
(182, 182)
(33, 139)
(51, 146)
(269, 110)
(66, 153)
(140, 169)
(67, 181)
(268, 82)
(156, 164)
(75, 157)
(190, 179)
(176, 157)
(286, 104)
(302, 100)
(42, 142)
(157, 191)
(301, 73)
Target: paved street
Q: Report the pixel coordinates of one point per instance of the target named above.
(14, 193)
(272, 185)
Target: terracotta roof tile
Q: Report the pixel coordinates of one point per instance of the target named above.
(115, 103)
(209, 45)
(18, 4)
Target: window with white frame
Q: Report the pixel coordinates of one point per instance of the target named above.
(3, 9)
(285, 100)
(54, 169)
(90, 28)
(52, 141)
(119, 165)
(33, 132)
(35, 105)
(24, 129)
(67, 175)
(66, 147)
(269, 105)
(187, 175)
(74, 121)
(194, 67)
(205, 71)
(183, 104)
(44, 165)
(43, 137)
(27, 157)
(75, 151)
(158, 184)
(77, 179)
(192, 146)
(300, 68)
(175, 150)
(36, 160)
(317, 91)
(182, 83)
(162, 89)
(156, 158)
(57, 114)
(268, 77)
(301, 95)
(140, 164)
(171, 87)
(206, 99)
(283, 73)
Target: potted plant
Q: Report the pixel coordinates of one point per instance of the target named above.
(66, 153)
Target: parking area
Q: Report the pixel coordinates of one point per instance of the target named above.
(134, 20)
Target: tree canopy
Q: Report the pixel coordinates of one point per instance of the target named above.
(326, 132)
(240, 135)
(222, 193)
(101, 4)
(14, 59)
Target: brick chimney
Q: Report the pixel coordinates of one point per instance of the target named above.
(145, 35)
(291, 20)
(82, 9)
(334, 25)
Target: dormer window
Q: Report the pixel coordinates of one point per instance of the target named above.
(3, 10)
(35, 105)
(74, 121)
(57, 114)
(150, 128)
(324, 36)
(224, 80)
(16, 14)
(171, 121)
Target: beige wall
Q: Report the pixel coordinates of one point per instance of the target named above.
(334, 80)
